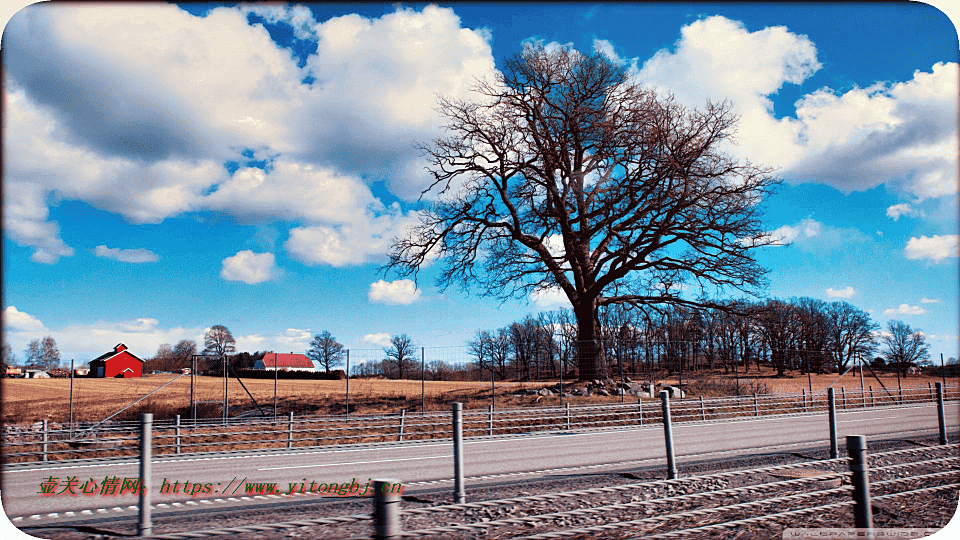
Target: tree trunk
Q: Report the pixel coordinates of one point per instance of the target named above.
(590, 351)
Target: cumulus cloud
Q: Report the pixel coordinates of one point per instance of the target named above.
(846, 292)
(401, 292)
(551, 298)
(16, 320)
(929, 301)
(365, 238)
(25, 221)
(787, 234)
(155, 99)
(905, 309)
(139, 255)
(896, 211)
(290, 340)
(249, 267)
(934, 248)
(87, 341)
(380, 338)
(903, 133)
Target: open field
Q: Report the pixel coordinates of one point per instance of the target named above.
(32, 400)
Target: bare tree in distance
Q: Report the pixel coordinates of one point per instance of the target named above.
(566, 175)
(219, 341)
(33, 354)
(183, 350)
(905, 347)
(49, 354)
(400, 353)
(851, 334)
(326, 351)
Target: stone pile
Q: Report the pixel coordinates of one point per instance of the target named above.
(605, 387)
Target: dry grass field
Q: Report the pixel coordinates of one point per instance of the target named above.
(32, 400)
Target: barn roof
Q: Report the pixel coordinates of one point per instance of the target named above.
(120, 348)
(282, 360)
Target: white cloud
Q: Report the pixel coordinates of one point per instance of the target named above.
(159, 99)
(606, 48)
(934, 248)
(929, 301)
(366, 237)
(16, 320)
(905, 309)
(294, 340)
(25, 220)
(551, 298)
(249, 267)
(717, 59)
(380, 338)
(896, 211)
(139, 255)
(143, 336)
(394, 293)
(846, 292)
(145, 324)
(902, 133)
(787, 234)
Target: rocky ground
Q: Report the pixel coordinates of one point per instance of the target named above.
(639, 495)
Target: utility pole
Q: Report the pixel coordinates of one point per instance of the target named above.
(71, 397)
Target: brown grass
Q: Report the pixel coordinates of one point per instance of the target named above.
(32, 400)
(793, 382)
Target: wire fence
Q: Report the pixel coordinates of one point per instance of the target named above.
(46, 442)
(823, 489)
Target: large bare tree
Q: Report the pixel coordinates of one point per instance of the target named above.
(565, 173)
(905, 347)
(219, 341)
(400, 353)
(326, 351)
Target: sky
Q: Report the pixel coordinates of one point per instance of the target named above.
(169, 168)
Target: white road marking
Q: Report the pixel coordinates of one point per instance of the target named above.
(354, 463)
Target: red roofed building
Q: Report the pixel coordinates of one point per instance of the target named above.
(120, 363)
(285, 362)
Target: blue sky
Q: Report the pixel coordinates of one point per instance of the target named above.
(171, 168)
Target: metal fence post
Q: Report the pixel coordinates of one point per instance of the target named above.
(567, 412)
(386, 509)
(403, 415)
(940, 417)
(639, 411)
(832, 406)
(803, 394)
(756, 405)
(862, 512)
(930, 387)
(145, 526)
(46, 438)
(458, 490)
(843, 396)
(668, 435)
(703, 413)
(873, 401)
(490, 412)
(290, 430)
(177, 433)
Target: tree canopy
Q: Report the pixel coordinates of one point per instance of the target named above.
(566, 174)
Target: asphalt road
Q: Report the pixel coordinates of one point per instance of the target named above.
(427, 464)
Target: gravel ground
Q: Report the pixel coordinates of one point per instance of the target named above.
(931, 510)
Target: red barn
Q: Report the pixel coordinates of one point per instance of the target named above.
(119, 363)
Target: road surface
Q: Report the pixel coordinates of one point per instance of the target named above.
(423, 464)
